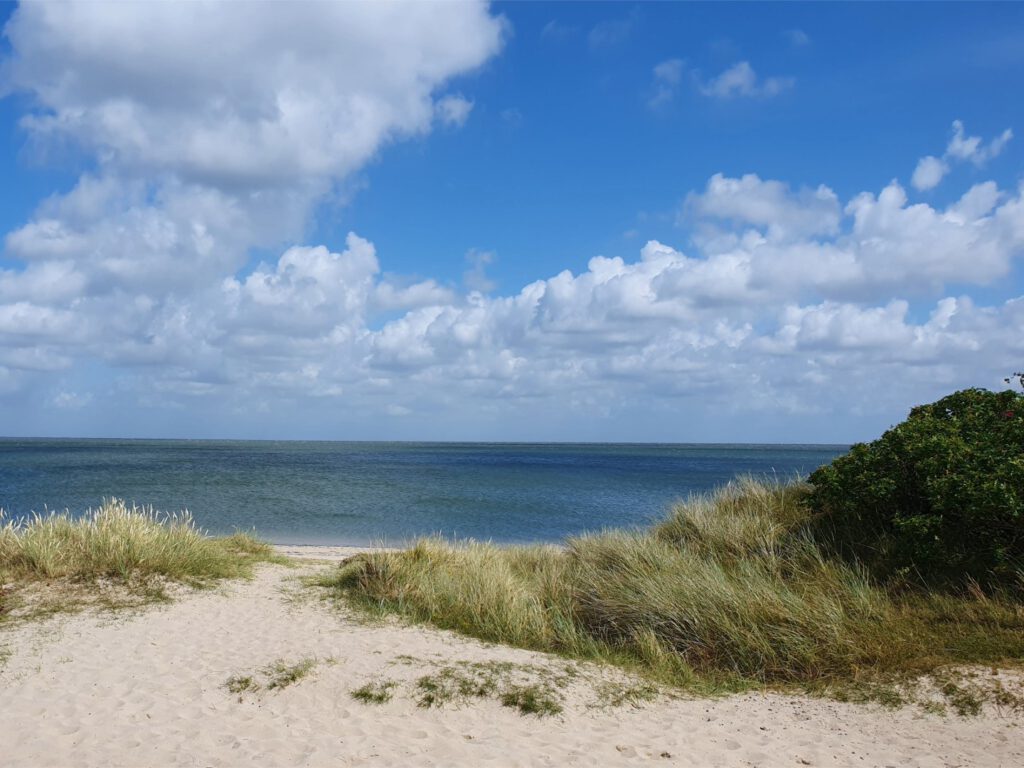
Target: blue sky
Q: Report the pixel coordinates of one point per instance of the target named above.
(781, 222)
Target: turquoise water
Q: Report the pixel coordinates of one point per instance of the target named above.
(360, 493)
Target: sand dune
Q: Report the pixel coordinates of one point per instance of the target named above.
(147, 688)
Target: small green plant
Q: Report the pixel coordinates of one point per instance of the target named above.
(431, 692)
(453, 685)
(634, 694)
(531, 700)
(964, 701)
(938, 498)
(379, 692)
(241, 684)
(281, 674)
(531, 689)
(273, 677)
(933, 707)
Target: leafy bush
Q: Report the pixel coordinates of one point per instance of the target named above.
(939, 497)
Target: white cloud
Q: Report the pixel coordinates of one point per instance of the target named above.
(791, 300)
(931, 170)
(972, 148)
(475, 278)
(71, 400)
(556, 30)
(211, 129)
(740, 80)
(667, 77)
(254, 102)
(214, 127)
(612, 32)
(669, 71)
(454, 110)
(796, 291)
(769, 205)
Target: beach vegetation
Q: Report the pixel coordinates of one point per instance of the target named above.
(619, 693)
(277, 675)
(531, 700)
(453, 684)
(115, 556)
(530, 689)
(241, 684)
(733, 590)
(375, 692)
(124, 542)
(937, 499)
(282, 674)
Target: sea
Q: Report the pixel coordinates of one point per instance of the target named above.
(361, 493)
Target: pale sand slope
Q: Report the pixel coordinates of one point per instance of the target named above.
(147, 689)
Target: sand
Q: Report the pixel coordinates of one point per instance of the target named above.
(147, 688)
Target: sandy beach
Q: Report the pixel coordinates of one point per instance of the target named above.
(148, 687)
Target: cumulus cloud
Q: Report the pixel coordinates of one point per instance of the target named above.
(930, 170)
(784, 299)
(799, 292)
(769, 205)
(213, 128)
(254, 102)
(740, 80)
(972, 148)
(454, 110)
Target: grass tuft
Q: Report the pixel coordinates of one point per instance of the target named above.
(527, 688)
(281, 674)
(455, 685)
(275, 676)
(379, 692)
(122, 545)
(531, 700)
(241, 684)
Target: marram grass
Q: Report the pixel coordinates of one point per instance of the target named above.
(123, 543)
(730, 591)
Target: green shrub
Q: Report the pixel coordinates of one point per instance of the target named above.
(939, 497)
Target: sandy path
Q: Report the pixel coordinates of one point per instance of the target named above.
(147, 689)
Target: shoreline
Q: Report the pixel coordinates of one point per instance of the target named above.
(334, 553)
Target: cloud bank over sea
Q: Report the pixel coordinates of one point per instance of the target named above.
(203, 136)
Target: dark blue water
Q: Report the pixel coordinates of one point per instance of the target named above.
(359, 493)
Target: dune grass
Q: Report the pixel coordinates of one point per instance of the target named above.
(276, 676)
(127, 545)
(731, 591)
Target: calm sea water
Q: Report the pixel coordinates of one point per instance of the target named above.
(359, 493)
